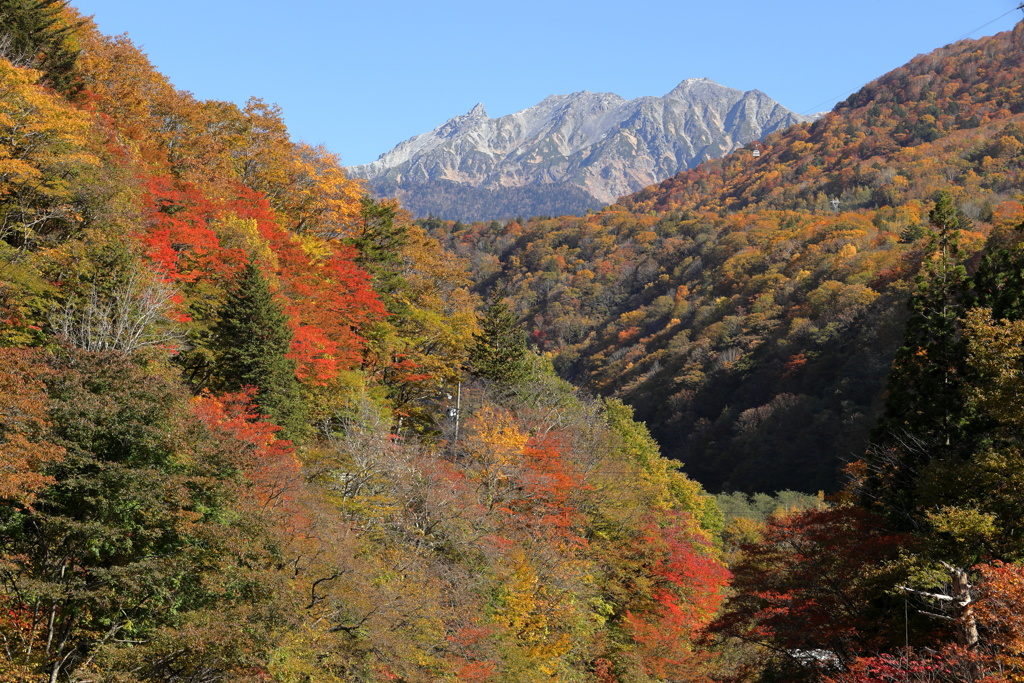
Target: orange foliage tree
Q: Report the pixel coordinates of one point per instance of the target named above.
(25, 449)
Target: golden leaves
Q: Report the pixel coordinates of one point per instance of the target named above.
(42, 143)
(24, 425)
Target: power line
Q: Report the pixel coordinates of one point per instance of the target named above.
(816, 108)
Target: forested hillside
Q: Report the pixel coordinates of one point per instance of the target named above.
(258, 426)
(246, 428)
(840, 310)
(750, 308)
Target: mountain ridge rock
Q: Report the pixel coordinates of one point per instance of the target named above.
(598, 146)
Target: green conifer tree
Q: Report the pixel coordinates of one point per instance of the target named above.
(32, 33)
(924, 384)
(251, 340)
(379, 241)
(998, 283)
(925, 415)
(499, 351)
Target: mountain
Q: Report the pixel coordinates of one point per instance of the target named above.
(569, 153)
(749, 319)
(179, 281)
(926, 126)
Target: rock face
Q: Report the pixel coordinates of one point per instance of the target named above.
(569, 153)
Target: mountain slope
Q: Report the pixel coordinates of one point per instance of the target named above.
(873, 149)
(749, 323)
(569, 152)
(175, 276)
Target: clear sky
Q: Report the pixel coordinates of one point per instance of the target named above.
(360, 77)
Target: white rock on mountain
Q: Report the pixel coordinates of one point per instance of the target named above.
(569, 153)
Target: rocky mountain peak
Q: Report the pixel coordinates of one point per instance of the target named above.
(568, 153)
(459, 124)
(703, 90)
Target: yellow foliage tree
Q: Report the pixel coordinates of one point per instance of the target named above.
(42, 146)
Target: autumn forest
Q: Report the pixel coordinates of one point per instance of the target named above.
(760, 422)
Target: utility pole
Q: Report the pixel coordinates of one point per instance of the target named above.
(454, 413)
(458, 411)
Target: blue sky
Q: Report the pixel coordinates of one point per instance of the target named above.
(360, 77)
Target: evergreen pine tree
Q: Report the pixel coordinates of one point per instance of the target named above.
(924, 397)
(499, 352)
(379, 242)
(33, 34)
(925, 416)
(998, 283)
(251, 341)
